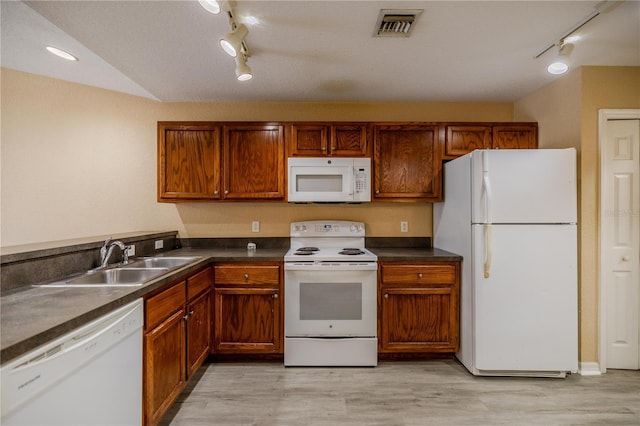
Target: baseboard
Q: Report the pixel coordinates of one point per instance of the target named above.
(589, 369)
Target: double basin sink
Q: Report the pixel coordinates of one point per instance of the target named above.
(131, 274)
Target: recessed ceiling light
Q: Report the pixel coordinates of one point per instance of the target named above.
(61, 53)
(557, 68)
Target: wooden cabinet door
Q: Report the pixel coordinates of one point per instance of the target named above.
(462, 139)
(198, 331)
(418, 320)
(515, 137)
(164, 366)
(188, 161)
(247, 320)
(308, 140)
(348, 140)
(407, 163)
(253, 162)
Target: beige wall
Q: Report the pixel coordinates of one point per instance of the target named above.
(78, 161)
(567, 112)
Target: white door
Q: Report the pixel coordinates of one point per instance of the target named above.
(526, 311)
(620, 241)
(524, 186)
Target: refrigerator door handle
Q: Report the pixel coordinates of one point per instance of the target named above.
(488, 249)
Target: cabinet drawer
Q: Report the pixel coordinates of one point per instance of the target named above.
(162, 305)
(198, 283)
(419, 274)
(247, 274)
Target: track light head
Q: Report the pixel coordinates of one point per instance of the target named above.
(231, 43)
(560, 64)
(243, 72)
(211, 6)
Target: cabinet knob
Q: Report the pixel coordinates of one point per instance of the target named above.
(324, 148)
(419, 274)
(333, 148)
(275, 296)
(186, 317)
(191, 313)
(215, 192)
(246, 276)
(377, 191)
(226, 191)
(386, 296)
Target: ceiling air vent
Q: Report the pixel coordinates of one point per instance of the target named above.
(396, 23)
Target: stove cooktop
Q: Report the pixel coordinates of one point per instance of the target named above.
(344, 254)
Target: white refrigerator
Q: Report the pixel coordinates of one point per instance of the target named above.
(512, 215)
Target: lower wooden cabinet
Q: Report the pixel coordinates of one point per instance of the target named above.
(176, 341)
(247, 308)
(419, 307)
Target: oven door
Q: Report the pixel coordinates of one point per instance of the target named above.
(330, 303)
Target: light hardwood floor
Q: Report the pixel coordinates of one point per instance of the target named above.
(435, 392)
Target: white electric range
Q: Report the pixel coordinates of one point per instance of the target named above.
(330, 296)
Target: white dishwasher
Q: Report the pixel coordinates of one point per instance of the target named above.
(90, 376)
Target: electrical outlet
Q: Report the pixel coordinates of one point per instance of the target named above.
(159, 244)
(131, 251)
(255, 226)
(404, 226)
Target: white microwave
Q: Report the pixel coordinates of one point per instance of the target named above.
(327, 180)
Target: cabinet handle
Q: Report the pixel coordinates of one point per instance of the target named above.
(191, 313)
(419, 274)
(386, 296)
(186, 317)
(275, 296)
(246, 277)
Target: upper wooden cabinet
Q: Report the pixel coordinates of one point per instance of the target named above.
(188, 161)
(462, 138)
(407, 162)
(253, 161)
(515, 136)
(327, 139)
(218, 161)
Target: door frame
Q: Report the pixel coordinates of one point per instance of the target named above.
(603, 116)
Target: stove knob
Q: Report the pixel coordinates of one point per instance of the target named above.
(354, 228)
(304, 228)
(361, 228)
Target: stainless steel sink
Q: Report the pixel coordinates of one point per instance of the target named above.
(131, 274)
(116, 277)
(161, 262)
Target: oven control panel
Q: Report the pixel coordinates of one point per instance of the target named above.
(335, 228)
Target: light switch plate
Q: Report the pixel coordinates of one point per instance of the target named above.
(404, 226)
(255, 226)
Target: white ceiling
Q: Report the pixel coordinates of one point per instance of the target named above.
(314, 50)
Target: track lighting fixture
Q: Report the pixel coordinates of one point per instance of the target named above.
(243, 72)
(210, 6)
(232, 42)
(560, 64)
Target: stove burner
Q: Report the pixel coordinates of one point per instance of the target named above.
(308, 249)
(351, 251)
(303, 253)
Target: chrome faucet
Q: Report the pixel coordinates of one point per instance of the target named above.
(107, 249)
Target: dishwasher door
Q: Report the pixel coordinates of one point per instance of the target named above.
(91, 376)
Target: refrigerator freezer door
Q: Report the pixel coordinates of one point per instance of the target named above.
(525, 314)
(526, 186)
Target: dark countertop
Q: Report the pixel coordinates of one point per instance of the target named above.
(32, 316)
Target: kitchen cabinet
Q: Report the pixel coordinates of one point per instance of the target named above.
(515, 136)
(407, 162)
(253, 161)
(325, 139)
(188, 161)
(247, 308)
(419, 307)
(462, 138)
(176, 341)
(209, 161)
